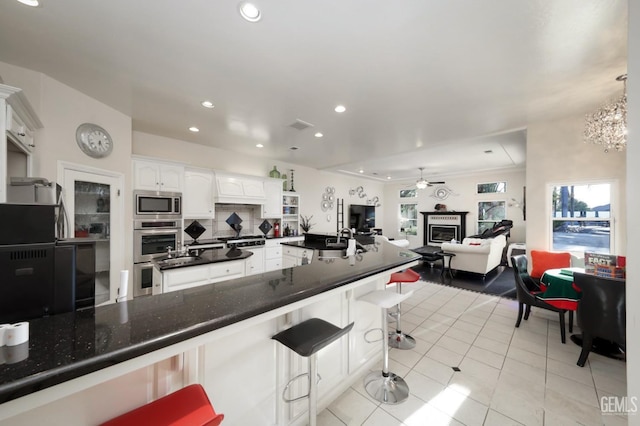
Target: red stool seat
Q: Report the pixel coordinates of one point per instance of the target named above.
(188, 406)
(406, 276)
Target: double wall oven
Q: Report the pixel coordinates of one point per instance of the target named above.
(157, 227)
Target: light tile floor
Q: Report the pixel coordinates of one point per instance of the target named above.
(509, 376)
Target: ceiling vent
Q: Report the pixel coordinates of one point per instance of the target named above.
(300, 125)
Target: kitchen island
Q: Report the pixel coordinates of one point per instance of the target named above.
(86, 367)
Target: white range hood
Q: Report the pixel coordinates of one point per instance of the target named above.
(239, 189)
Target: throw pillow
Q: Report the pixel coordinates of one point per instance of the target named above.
(543, 260)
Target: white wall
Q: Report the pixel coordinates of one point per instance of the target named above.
(556, 153)
(61, 110)
(633, 206)
(309, 183)
(463, 197)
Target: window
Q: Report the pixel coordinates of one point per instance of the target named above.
(408, 193)
(492, 187)
(581, 218)
(489, 213)
(409, 219)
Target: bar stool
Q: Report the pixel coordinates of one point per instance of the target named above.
(385, 386)
(185, 407)
(400, 340)
(306, 339)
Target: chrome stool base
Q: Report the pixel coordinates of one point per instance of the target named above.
(401, 341)
(390, 390)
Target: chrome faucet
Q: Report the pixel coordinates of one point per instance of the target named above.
(351, 247)
(342, 230)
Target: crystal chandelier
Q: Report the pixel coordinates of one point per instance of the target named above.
(608, 125)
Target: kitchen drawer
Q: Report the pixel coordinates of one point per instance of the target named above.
(180, 278)
(273, 264)
(227, 270)
(273, 252)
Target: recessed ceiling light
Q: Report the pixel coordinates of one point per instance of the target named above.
(340, 108)
(207, 104)
(389, 177)
(259, 145)
(32, 3)
(194, 129)
(318, 135)
(250, 12)
(361, 171)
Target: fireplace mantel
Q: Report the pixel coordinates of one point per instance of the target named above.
(437, 225)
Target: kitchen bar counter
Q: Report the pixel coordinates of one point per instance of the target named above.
(206, 257)
(67, 346)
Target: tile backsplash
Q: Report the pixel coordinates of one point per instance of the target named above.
(218, 227)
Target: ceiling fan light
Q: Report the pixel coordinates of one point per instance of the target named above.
(421, 184)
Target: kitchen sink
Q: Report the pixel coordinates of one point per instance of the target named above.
(178, 261)
(336, 253)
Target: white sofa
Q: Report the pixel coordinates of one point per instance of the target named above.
(400, 243)
(476, 255)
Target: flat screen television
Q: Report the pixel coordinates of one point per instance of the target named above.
(362, 218)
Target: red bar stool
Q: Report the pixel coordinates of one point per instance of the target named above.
(188, 406)
(398, 339)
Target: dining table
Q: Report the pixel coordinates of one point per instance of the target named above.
(558, 288)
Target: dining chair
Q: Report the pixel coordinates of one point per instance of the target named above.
(526, 290)
(542, 260)
(601, 311)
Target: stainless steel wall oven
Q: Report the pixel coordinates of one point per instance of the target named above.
(151, 239)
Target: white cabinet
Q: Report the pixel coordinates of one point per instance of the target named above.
(296, 256)
(290, 213)
(239, 189)
(255, 263)
(18, 122)
(273, 255)
(197, 198)
(194, 276)
(156, 176)
(272, 207)
(18, 131)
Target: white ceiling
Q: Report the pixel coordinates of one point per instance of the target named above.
(426, 83)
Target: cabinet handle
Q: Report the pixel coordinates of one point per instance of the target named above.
(22, 134)
(32, 145)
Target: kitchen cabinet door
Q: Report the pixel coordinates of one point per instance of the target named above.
(197, 199)
(153, 176)
(171, 178)
(256, 263)
(272, 207)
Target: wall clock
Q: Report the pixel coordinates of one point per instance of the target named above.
(93, 140)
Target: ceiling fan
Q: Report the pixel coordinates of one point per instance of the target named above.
(422, 183)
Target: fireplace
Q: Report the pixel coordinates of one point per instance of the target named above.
(443, 233)
(440, 227)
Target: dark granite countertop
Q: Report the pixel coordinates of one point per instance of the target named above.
(63, 347)
(206, 257)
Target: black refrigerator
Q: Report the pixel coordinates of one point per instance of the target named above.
(37, 276)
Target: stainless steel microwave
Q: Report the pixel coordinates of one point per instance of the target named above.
(160, 205)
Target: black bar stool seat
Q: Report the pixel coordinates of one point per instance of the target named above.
(306, 339)
(310, 336)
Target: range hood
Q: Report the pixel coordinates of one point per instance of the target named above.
(238, 189)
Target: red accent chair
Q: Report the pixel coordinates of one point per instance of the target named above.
(188, 406)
